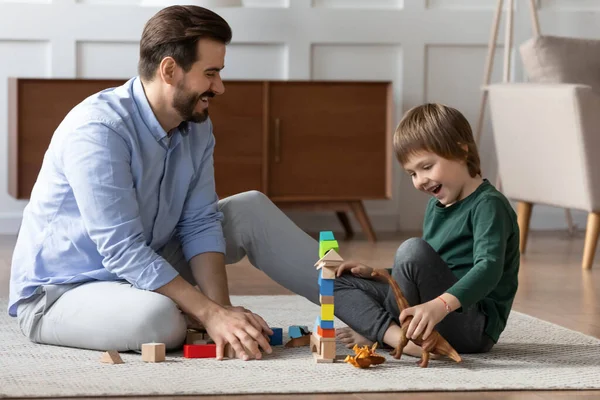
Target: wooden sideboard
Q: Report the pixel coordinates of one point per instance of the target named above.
(306, 144)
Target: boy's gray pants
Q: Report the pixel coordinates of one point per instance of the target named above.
(117, 316)
(369, 306)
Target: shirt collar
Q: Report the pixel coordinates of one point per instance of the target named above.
(146, 112)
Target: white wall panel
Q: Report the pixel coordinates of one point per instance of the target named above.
(25, 1)
(462, 4)
(299, 39)
(359, 3)
(28, 59)
(370, 62)
(107, 59)
(570, 5)
(255, 61)
(110, 2)
(160, 3)
(446, 82)
(266, 3)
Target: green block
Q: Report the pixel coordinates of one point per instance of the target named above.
(326, 245)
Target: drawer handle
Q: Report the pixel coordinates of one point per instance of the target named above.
(277, 140)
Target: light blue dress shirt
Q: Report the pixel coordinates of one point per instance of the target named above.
(113, 189)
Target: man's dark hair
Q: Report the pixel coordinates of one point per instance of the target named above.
(174, 32)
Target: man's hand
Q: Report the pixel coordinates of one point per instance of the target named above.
(238, 329)
(425, 317)
(355, 268)
(257, 321)
(223, 325)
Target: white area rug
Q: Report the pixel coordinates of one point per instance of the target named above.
(532, 354)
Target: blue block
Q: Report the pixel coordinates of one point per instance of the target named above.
(276, 339)
(325, 235)
(326, 324)
(326, 286)
(296, 331)
(322, 324)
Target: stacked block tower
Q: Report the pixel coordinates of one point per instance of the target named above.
(322, 341)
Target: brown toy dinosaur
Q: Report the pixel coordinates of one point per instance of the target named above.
(435, 343)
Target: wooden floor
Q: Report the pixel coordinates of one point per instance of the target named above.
(552, 287)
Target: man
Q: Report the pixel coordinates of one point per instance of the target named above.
(123, 221)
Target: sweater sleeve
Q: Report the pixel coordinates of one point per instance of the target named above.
(491, 229)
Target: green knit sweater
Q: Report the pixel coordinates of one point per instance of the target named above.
(478, 237)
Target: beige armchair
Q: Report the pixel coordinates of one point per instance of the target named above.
(547, 140)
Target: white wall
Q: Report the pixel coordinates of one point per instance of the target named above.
(433, 50)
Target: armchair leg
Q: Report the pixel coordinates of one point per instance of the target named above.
(523, 218)
(591, 239)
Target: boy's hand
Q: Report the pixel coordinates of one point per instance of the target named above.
(355, 268)
(425, 317)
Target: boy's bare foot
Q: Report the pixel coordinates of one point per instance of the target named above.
(350, 338)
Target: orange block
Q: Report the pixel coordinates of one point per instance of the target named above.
(328, 333)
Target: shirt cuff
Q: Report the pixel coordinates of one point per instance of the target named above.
(459, 294)
(204, 244)
(156, 275)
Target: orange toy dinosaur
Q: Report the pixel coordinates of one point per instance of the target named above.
(435, 343)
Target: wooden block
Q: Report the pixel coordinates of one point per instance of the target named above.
(195, 337)
(323, 339)
(326, 235)
(229, 351)
(315, 343)
(326, 299)
(327, 245)
(111, 357)
(321, 360)
(276, 339)
(200, 350)
(328, 350)
(326, 286)
(296, 331)
(328, 272)
(326, 333)
(326, 312)
(153, 352)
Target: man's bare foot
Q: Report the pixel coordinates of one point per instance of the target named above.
(350, 338)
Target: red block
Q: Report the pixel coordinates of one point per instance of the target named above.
(199, 350)
(328, 333)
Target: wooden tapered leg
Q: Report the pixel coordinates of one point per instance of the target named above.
(591, 239)
(363, 219)
(523, 218)
(343, 217)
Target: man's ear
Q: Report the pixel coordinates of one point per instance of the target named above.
(167, 69)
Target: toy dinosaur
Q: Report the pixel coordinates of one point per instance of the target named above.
(435, 343)
(365, 357)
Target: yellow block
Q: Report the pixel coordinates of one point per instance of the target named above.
(326, 312)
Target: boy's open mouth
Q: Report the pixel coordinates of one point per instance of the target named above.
(435, 189)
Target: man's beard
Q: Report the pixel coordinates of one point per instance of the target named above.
(185, 103)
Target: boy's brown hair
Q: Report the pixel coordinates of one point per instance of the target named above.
(439, 129)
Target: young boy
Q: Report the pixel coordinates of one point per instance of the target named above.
(462, 275)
